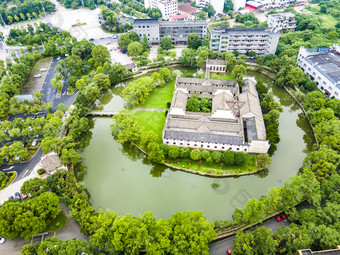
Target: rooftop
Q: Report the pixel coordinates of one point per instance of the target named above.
(242, 30)
(325, 252)
(144, 21)
(327, 62)
(215, 61)
(183, 23)
(181, 16)
(187, 8)
(22, 98)
(232, 112)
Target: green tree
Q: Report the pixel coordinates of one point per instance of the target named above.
(228, 157)
(194, 41)
(173, 152)
(166, 43)
(240, 158)
(195, 154)
(239, 71)
(188, 57)
(100, 55)
(102, 81)
(135, 49)
(156, 154)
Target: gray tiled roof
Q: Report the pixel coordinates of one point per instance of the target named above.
(215, 61)
(202, 137)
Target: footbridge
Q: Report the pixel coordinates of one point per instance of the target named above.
(102, 113)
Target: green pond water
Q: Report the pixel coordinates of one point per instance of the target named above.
(122, 179)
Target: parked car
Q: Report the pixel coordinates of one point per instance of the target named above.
(37, 75)
(43, 69)
(58, 58)
(228, 252)
(2, 240)
(25, 196)
(10, 197)
(17, 195)
(281, 217)
(35, 142)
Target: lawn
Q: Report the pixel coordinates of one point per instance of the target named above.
(164, 53)
(222, 76)
(152, 121)
(216, 168)
(58, 223)
(160, 96)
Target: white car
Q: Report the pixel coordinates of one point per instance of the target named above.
(2, 240)
(37, 75)
(43, 69)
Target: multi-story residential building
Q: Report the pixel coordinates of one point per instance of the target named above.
(155, 29)
(217, 4)
(192, 12)
(323, 67)
(282, 21)
(261, 40)
(234, 123)
(166, 7)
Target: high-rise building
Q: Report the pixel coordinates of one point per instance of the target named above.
(167, 7)
(282, 21)
(261, 40)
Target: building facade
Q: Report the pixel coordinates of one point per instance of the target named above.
(323, 67)
(216, 65)
(282, 21)
(261, 40)
(235, 122)
(179, 31)
(239, 4)
(167, 7)
(217, 4)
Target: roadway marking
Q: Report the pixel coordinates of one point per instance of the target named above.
(26, 172)
(9, 168)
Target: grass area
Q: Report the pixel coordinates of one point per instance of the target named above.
(328, 21)
(10, 178)
(152, 121)
(222, 76)
(33, 84)
(58, 223)
(160, 96)
(164, 53)
(216, 168)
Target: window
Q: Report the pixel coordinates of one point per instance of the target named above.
(215, 147)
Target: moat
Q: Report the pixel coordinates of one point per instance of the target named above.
(121, 178)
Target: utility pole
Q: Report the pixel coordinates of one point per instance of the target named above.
(83, 3)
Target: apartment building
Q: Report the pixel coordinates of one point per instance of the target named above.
(323, 67)
(282, 21)
(192, 12)
(217, 4)
(261, 40)
(167, 7)
(179, 31)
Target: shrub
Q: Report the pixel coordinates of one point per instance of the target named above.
(216, 156)
(168, 104)
(40, 171)
(173, 152)
(165, 148)
(205, 154)
(195, 154)
(228, 158)
(209, 161)
(240, 158)
(185, 152)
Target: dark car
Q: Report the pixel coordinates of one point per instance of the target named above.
(17, 195)
(281, 217)
(10, 197)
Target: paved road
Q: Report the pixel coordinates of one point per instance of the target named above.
(222, 246)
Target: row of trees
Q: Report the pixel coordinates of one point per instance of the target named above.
(136, 92)
(112, 23)
(154, 13)
(23, 10)
(36, 35)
